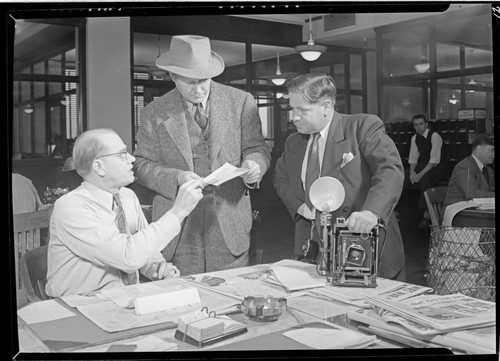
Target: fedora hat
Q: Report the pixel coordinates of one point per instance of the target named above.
(192, 57)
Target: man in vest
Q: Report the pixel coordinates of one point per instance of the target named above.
(424, 159)
(187, 134)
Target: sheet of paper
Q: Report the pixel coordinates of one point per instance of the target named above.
(79, 300)
(321, 338)
(296, 279)
(125, 296)
(43, 311)
(224, 174)
(318, 307)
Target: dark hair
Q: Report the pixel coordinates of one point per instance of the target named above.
(313, 86)
(419, 116)
(483, 139)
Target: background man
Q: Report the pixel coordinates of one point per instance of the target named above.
(424, 158)
(355, 150)
(187, 134)
(99, 237)
(472, 177)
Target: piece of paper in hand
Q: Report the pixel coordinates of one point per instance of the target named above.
(224, 174)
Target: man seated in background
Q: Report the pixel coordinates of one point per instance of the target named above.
(25, 197)
(99, 237)
(424, 158)
(471, 177)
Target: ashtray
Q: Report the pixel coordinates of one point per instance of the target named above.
(264, 308)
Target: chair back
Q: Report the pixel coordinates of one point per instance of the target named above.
(27, 228)
(434, 198)
(33, 267)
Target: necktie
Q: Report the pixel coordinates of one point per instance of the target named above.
(486, 175)
(312, 170)
(199, 118)
(121, 221)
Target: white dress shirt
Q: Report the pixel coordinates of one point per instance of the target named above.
(86, 250)
(304, 209)
(435, 156)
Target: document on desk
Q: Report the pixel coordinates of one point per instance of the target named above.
(43, 311)
(318, 307)
(321, 338)
(295, 279)
(224, 174)
(113, 318)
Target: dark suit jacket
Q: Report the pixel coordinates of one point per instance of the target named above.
(164, 149)
(467, 182)
(372, 180)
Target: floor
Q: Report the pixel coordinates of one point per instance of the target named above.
(274, 234)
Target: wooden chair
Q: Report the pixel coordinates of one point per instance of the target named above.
(33, 267)
(434, 198)
(27, 228)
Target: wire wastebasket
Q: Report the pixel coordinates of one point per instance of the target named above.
(462, 260)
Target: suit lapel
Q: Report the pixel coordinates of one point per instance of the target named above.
(176, 126)
(219, 122)
(335, 147)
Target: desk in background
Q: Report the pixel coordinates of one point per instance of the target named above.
(475, 218)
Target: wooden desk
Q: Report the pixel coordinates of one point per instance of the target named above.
(475, 218)
(301, 310)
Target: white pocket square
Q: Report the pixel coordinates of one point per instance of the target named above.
(346, 158)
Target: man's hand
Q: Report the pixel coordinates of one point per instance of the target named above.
(414, 177)
(187, 198)
(185, 176)
(164, 270)
(254, 174)
(362, 222)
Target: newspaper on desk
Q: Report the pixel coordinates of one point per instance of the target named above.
(109, 316)
(389, 289)
(442, 313)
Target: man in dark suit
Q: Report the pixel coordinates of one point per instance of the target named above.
(352, 148)
(472, 177)
(424, 163)
(187, 134)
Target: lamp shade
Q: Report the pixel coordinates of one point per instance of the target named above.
(28, 109)
(278, 80)
(310, 52)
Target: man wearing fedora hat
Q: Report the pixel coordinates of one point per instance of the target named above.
(187, 134)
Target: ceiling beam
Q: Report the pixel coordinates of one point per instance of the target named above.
(221, 27)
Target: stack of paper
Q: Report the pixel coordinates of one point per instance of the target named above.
(388, 325)
(440, 313)
(485, 203)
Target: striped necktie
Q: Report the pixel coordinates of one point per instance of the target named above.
(121, 222)
(313, 167)
(199, 118)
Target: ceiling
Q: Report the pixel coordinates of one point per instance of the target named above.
(361, 34)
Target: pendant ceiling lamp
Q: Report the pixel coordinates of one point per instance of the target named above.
(310, 51)
(453, 100)
(278, 78)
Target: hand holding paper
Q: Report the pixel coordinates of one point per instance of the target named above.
(224, 174)
(254, 174)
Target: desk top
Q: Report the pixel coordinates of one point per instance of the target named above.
(303, 308)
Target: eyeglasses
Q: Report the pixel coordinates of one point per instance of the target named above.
(123, 155)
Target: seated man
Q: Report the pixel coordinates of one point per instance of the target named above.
(25, 197)
(471, 177)
(424, 159)
(99, 237)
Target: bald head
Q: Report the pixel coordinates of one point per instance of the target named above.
(88, 146)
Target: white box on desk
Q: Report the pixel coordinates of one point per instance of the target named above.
(165, 299)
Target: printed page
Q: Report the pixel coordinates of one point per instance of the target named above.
(224, 174)
(321, 338)
(43, 311)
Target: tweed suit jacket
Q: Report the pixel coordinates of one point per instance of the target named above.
(164, 149)
(373, 179)
(467, 182)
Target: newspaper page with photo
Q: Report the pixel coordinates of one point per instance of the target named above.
(442, 313)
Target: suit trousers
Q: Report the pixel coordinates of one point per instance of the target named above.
(201, 246)
(427, 181)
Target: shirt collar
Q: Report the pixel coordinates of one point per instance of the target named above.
(324, 132)
(426, 133)
(203, 103)
(100, 195)
(479, 163)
